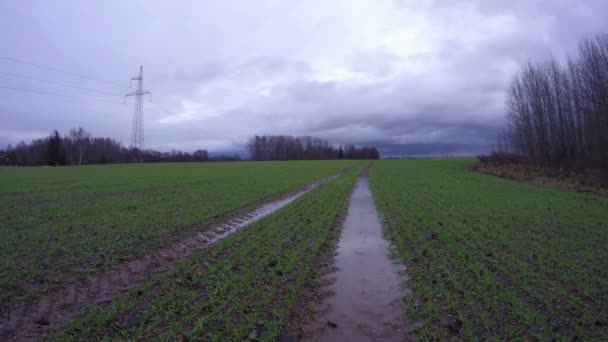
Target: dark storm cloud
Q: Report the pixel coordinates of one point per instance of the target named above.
(411, 77)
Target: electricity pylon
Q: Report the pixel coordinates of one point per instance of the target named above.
(137, 132)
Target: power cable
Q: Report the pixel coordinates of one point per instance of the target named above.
(160, 107)
(57, 83)
(34, 91)
(15, 60)
(163, 108)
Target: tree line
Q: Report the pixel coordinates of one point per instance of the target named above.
(557, 114)
(79, 147)
(284, 147)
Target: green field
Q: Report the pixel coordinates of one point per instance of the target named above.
(495, 259)
(57, 223)
(243, 287)
(486, 258)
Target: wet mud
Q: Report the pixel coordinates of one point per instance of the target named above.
(364, 301)
(33, 321)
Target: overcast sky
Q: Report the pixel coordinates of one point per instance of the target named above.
(410, 77)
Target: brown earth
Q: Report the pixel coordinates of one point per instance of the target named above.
(523, 173)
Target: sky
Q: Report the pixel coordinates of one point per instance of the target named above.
(413, 78)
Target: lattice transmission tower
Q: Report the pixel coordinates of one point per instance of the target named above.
(137, 131)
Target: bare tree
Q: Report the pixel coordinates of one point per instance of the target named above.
(282, 147)
(79, 147)
(558, 115)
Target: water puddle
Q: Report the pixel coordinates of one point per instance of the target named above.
(365, 302)
(32, 321)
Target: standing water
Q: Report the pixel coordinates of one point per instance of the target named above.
(366, 303)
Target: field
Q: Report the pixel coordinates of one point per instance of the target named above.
(485, 257)
(59, 223)
(243, 287)
(491, 258)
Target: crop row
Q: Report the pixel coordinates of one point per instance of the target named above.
(495, 259)
(243, 287)
(45, 245)
(23, 187)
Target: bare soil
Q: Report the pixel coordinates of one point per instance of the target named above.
(592, 184)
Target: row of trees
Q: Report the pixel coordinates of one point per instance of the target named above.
(558, 114)
(284, 147)
(79, 147)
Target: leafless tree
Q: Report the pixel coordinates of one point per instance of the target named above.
(79, 147)
(282, 147)
(558, 114)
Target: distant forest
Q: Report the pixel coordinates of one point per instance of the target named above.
(558, 114)
(78, 147)
(284, 147)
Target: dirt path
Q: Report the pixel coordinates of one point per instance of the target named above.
(365, 304)
(33, 321)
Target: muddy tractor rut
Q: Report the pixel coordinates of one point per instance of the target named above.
(33, 321)
(360, 295)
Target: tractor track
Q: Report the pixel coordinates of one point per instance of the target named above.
(34, 321)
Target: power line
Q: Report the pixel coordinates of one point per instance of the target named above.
(34, 91)
(57, 83)
(161, 107)
(15, 60)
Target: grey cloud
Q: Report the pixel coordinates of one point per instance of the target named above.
(208, 70)
(224, 71)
